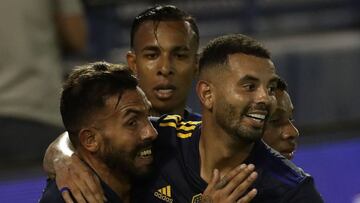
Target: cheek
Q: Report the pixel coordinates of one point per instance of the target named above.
(272, 135)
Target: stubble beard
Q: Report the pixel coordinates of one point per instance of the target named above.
(231, 121)
(118, 161)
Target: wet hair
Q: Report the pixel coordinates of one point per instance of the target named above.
(86, 91)
(162, 13)
(217, 51)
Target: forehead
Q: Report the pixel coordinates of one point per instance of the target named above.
(130, 100)
(164, 33)
(248, 65)
(284, 102)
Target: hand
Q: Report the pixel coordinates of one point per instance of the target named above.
(232, 187)
(84, 185)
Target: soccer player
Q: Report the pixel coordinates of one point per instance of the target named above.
(106, 116)
(164, 43)
(280, 132)
(236, 87)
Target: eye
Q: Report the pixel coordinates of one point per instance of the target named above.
(249, 86)
(150, 54)
(181, 55)
(272, 88)
(132, 123)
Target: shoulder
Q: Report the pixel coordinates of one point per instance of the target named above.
(51, 193)
(280, 178)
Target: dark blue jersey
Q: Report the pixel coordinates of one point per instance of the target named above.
(189, 115)
(177, 162)
(51, 193)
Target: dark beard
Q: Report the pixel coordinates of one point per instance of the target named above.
(121, 162)
(230, 120)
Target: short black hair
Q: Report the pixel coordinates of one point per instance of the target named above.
(216, 52)
(86, 90)
(282, 85)
(162, 13)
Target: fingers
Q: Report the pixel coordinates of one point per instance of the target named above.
(66, 196)
(248, 197)
(214, 180)
(87, 184)
(232, 186)
(242, 173)
(224, 181)
(82, 182)
(243, 186)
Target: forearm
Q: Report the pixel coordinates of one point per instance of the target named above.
(58, 151)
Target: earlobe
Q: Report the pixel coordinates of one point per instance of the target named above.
(89, 139)
(131, 61)
(205, 94)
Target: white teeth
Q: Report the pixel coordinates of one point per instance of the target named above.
(165, 91)
(145, 153)
(257, 116)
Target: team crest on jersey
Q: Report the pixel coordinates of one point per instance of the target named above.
(196, 198)
(164, 194)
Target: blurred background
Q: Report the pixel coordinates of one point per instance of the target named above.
(315, 45)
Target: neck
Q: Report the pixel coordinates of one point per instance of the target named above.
(118, 182)
(219, 150)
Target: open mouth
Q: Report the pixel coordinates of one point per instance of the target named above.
(255, 116)
(145, 153)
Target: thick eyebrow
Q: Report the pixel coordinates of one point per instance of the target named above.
(248, 78)
(150, 48)
(127, 112)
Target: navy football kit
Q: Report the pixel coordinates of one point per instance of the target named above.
(51, 194)
(176, 177)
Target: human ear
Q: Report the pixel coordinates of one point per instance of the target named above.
(90, 139)
(205, 94)
(131, 61)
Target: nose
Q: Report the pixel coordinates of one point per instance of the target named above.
(149, 132)
(263, 97)
(290, 131)
(165, 66)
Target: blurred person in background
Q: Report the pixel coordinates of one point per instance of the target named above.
(34, 34)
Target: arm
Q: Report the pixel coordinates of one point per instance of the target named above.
(59, 150)
(232, 187)
(71, 25)
(61, 163)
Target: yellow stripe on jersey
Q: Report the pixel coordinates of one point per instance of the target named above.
(191, 122)
(180, 127)
(183, 135)
(186, 127)
(177, 118)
